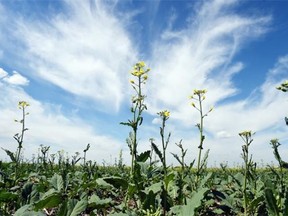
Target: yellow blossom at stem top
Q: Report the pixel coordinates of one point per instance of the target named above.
(164, 114)
(141, 64)
(246, 133)
(139, 70)
(199, 92)
(23, 104)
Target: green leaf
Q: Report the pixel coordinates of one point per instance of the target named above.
(26, 190)
(177, 158)
(71, 203)
(50, 201)
(96, 203)
(57, 182)
(169, 178)
(21, 211)
(239, 177)
(119, 214)
(26, 211)
(79, 207)
(149, 201)
(103, 184)
(255, 203)
(63, 210)
(143, 156)
(157, 151)
(285, 210)
(6, 196)
(271, 202)
(192, 204)
(140, 120)
(10, 154)
(117, 182)
(155, 188)
(126, 123)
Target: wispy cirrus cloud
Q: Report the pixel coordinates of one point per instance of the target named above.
(84, 50)
(200, 56)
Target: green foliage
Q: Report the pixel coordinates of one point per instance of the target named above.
(53, 184)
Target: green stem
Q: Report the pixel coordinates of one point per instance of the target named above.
(201, 138)
(20, 142)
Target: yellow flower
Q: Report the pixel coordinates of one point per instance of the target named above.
(131, 81)
(165, 114)
(145, 77)
(141, 64)
(23, 104)
(246, 133)
(199, 92)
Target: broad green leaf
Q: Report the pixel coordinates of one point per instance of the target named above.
(239, 177)
(50, 201)
(71, 203)
(96, 203)
(192, 204)
(206, 179)
(63, 210)
(169, 178)
(57, 182)
(103, 184)
(79, 207)
(26, 211)
(22, 210)
(155, 188)
(271, 202)
(6, 196)
(117, 182)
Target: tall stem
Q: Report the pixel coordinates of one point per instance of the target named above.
(201, 135)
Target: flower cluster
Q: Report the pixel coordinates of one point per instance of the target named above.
(23, 104)
(165, 114)
(199, 94)
(246, 133)
(140, 72)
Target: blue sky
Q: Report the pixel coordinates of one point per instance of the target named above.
(71, 60)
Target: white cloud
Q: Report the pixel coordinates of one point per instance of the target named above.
(16, 79)
(50, 127)
(88, 52)
(200, 57)
(223, 134)
(85, 51)
(3, 73)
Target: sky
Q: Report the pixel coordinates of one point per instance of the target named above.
(71, 61)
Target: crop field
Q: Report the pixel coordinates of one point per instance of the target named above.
(53, 184)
